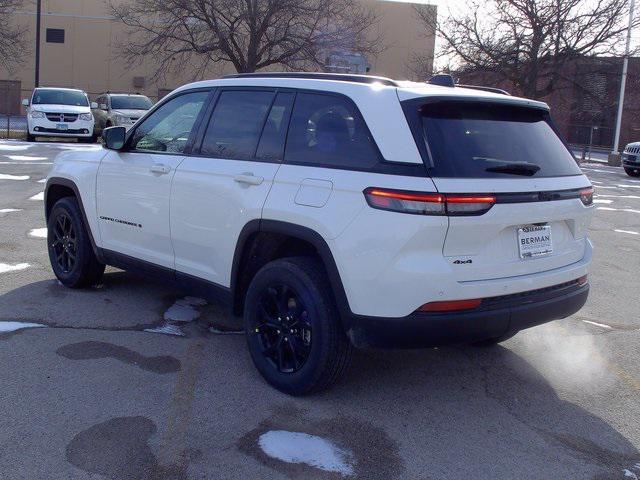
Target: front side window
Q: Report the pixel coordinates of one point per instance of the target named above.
(60, 97)
(127, 102)
(236, 124)
(327, 130)
(476, 140)
(169, 127)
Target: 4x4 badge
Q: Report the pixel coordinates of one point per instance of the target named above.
(462, 262)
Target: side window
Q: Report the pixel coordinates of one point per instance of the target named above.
(274, 132)
(236, 124)
(168, 128)
(326, 130)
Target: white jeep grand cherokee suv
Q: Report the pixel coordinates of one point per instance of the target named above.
(59, 112)
(334, 211)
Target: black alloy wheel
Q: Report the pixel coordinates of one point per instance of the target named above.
(71, 252)
(294, 331)
(64, 243)
(284, 330)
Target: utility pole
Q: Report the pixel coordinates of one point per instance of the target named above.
(614, 158)
(38, 28)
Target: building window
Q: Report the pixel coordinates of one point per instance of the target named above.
(55, 35)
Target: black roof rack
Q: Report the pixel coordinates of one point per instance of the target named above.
(343, 77)
(485, 89)
(446, 80)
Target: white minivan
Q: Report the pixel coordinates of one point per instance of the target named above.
(60, 112)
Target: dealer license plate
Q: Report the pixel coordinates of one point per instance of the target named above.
(62, 126)
(534, 241)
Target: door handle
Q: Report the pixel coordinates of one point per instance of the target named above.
(248, 179)
(160, 168)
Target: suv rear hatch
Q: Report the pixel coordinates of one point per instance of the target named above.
(525, 205)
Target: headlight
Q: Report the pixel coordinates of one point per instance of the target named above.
(85, 117)
(36, 114)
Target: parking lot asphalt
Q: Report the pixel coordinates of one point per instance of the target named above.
(92, 394)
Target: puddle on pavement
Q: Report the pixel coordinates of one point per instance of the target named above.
(119, 449)
(92, 350)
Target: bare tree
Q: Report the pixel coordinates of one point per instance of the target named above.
(250, 34)
(12, 37)
(528, 43)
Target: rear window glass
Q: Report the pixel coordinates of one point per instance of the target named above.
(472, 140)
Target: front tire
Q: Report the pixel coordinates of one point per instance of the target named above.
(293, 329)
(70, 251)
(632, 172)
(31, 138)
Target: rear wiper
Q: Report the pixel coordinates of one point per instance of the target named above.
(520, 168)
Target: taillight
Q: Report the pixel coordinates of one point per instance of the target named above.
(583, 280)
(469, 204)
(586, 196)
(428, 203)
(451, 306)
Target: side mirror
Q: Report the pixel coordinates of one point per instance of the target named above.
(93, 105)
(113, 137)
(25, 102)
(103, 106)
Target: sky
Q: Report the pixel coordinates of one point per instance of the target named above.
(445, 7)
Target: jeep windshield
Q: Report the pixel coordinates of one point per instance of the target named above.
(60, 97)
(479, 140)
(130, 103)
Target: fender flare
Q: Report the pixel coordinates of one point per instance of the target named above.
(303, 233)
(65, 182)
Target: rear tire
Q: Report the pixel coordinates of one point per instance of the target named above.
(71, 254)
(293, 328)
(632, 172)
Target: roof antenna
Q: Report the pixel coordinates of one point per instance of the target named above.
(442, 79)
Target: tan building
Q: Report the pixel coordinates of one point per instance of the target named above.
(79, 42)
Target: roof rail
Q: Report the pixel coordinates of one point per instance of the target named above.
(343, 77)
(485, 89)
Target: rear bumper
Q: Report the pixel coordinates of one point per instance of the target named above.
(501, 317)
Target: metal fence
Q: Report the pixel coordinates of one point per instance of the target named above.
(13, 126)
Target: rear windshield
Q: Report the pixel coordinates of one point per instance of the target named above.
(60, 97)
(130, 103)
(473, 140)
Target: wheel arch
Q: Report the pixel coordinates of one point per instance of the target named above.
(60, 187)
(261, 241)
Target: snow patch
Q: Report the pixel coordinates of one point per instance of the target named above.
(635, 197)
(297, 447)
(9, 210)
(5, 176)
(44, 180)
(630, 232)
(611, 209)
(19, 158)
(602, 201)
(14, 148)
(21, 163)
(37, 196)
(601, 325)
(166, 328)
(13, 326)
(38, 232)
(182, 310)
(5, 267)
(628, 186)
